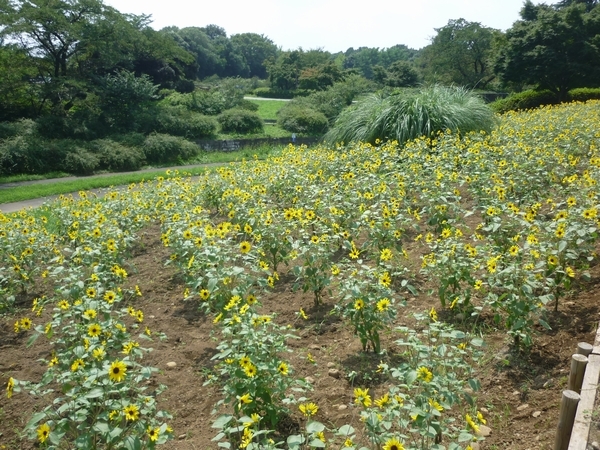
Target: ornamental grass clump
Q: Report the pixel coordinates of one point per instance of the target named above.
(409, 114)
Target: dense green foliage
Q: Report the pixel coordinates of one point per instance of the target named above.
(535, 98)
(302, 119)
(364, 59)
(240, 121)
(333, 100)
(459, 53)
(552, 47)
(524, 100)
(584, 94)
(164, 148)
(408, 114)
(84, 72)
(399, 74)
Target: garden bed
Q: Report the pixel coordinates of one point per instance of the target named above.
(520, 395)
(370, 276)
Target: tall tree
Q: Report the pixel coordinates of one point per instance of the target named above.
(399, 74)
(320, 77)
(84, 37)
(556, 48)
(18, 98)
(52, 30)
(74, 43)
(235, 64)
(460, 54)
(364, 59)
(256, 50)
(196, 41)
(589, 4)
(284, 73)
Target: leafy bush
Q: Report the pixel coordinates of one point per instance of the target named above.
(161, 148)
(248, 105)
(240, 121)
(524, 100)
(409, 113)
(332, 101)
(19, 127)
(14, 155)
(123, 96)
(53, 127)
(210, 102)
(584, 94)
(272, 93)
(302, 119)
(179, 121)
(31, 154)
(129, 139)
(185, 86)
(115, 156)
(81, 161)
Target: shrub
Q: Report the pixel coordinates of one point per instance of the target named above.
(302, 119)
(332, 101)
(115, 156)
(179, 121)
(130, 139)
(411, 113)
(162, 148)
(248, 105)
(14, 155)
(584, 94)
(81, 161)
(240, 121)
(185, 86)
(211, 101)
(31, 154)
(272, 93)
(21, 127)
(524, 100)
(53, 127)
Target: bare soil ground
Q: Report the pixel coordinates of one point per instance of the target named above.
(520, 394)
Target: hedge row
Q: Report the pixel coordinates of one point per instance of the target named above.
(278, 93)
(533, 99)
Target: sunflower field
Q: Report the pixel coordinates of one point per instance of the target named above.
(495, 229)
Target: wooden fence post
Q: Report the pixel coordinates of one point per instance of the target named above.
(568, 408)
(583, 348)
(578, 363)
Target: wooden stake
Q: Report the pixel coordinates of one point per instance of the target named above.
(568, 408)
(578, 363)
(585, 408)
(583, 348)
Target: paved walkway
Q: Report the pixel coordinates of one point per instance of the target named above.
(265, 98)
(7, 208)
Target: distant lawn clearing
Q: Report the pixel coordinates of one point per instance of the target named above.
(267, 109)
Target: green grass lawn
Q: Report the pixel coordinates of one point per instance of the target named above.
(267, 109)
(27, 192)
(20, 193)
